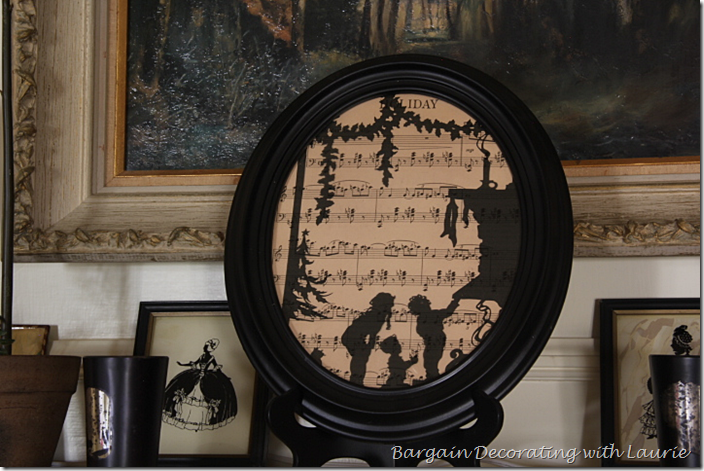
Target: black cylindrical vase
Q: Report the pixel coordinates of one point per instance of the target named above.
(676, 384)
(124, 396)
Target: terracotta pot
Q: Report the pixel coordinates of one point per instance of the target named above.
(35, 392)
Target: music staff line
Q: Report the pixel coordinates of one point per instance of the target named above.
(422, 139)
(385, 251)
(350, 215)
(333, 343)
(362, 190)
(426, 160)
(315, 340)
(400, 314)
(384, 278)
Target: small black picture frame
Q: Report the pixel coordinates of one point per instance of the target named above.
(312, 191)
(177, 329)
(631, 329)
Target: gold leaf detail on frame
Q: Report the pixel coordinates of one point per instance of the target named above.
(679, 232)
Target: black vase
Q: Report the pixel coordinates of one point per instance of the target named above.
(676, 384)
(124, 396)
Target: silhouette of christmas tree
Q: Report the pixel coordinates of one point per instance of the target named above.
(303, 286)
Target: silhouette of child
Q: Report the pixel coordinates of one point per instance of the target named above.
(397, 365)
(360, 335)
(429, 327)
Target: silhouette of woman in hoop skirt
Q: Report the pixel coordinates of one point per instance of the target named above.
(202, 397)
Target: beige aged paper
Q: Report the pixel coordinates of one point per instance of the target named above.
(362, 253)
(181, 338)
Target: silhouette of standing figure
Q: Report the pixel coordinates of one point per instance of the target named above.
(397, 365)
(360, 335)
(201, 397)
(429, 327)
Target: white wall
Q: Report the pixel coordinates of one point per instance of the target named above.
(556, 404)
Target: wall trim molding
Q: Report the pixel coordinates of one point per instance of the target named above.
(562, 359)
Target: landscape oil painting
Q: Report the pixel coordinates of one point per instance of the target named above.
(608, 79)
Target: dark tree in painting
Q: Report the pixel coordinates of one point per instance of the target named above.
(203, 77)
(323, 29)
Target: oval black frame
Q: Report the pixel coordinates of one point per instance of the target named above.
(532, 308)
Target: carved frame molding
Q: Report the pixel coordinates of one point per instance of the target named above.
(64, 121)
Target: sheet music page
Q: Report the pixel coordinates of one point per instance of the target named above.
(396, 241)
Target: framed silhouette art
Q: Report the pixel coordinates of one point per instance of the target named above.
(213, 410)
(401, 239)
(630, 331)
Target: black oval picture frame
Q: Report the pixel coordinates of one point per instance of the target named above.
(512, 196)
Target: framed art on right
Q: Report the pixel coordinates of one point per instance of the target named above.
(632, 330)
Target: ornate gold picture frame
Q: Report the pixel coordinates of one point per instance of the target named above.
(69, 207)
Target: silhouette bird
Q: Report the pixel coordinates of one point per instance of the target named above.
(680, 341)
